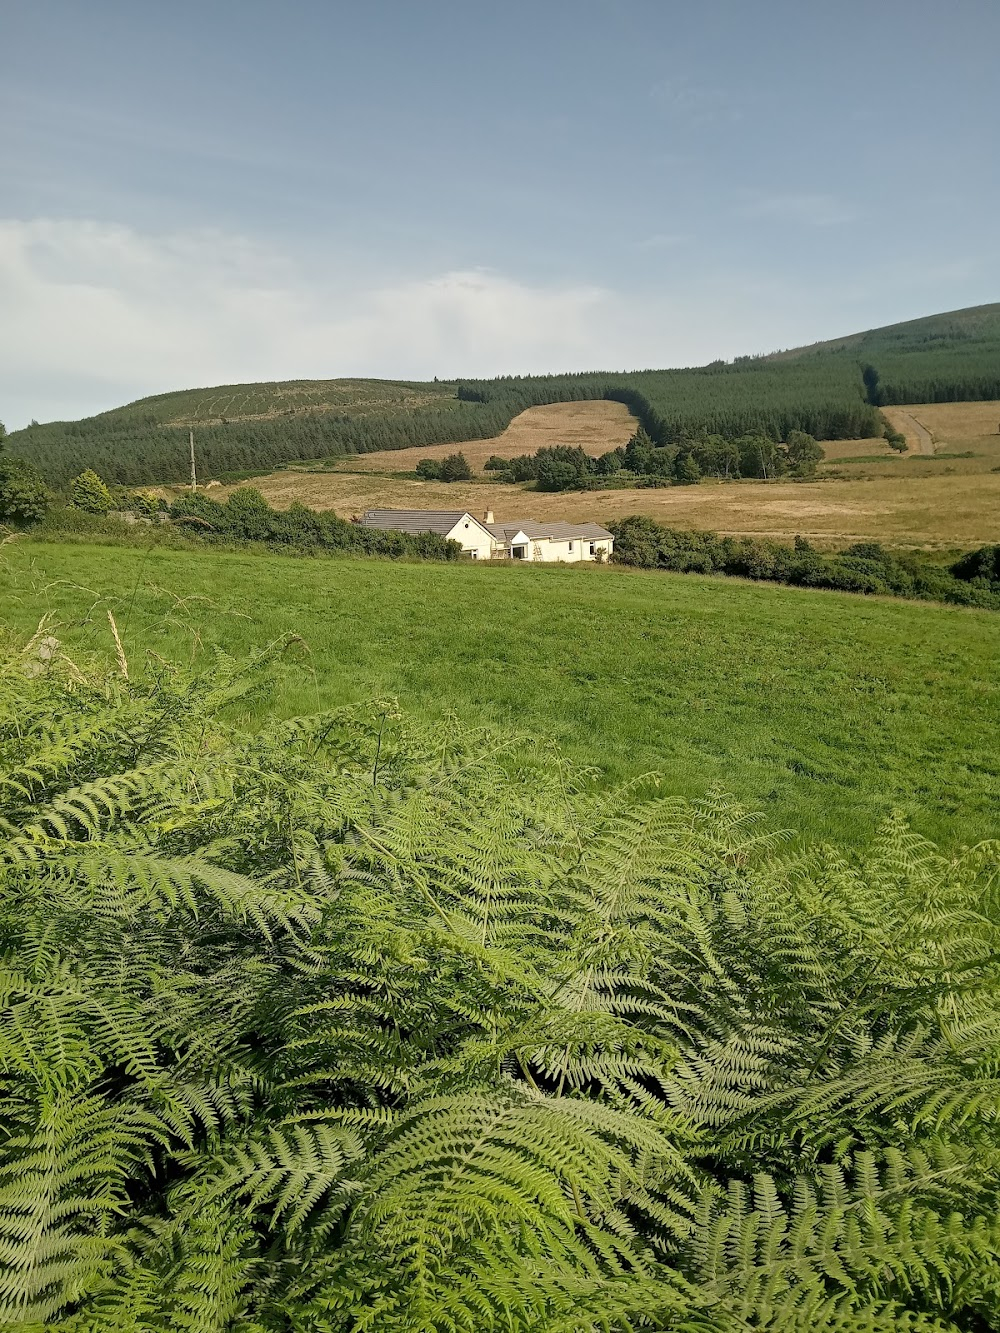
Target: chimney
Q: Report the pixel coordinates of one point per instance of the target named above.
(488, 517)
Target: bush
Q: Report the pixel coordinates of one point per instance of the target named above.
(429, 469)
(24, 497)
(866, 567)
(332, 1025)
(983, 564)
(455, 468)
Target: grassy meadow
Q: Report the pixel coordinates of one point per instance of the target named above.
(824, 710)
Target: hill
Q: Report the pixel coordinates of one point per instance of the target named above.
(832, 390)
(252, 427)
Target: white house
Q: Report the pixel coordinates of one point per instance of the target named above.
(551, 541)
(474, 537)
(526, 539)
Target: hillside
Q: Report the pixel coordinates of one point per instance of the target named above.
(863, 491)
(252, 427)
(832, 390)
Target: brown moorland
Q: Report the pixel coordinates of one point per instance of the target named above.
(951, 423)
(912, 501)
(594, 427)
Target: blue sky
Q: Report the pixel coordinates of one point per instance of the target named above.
(217, 192)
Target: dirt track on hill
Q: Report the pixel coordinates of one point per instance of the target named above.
(912, 429)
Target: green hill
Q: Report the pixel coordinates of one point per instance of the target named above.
(832, 390)
(946, 358)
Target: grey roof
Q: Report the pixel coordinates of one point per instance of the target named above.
(414, 520)
(559, 532)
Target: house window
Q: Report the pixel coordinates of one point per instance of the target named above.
(571, 546)
(518, 552)
(593, 548)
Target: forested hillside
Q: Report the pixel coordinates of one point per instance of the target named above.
(830, 390)
(254, 427)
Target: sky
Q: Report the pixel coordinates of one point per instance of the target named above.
(223, 191)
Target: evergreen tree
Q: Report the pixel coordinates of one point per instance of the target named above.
(89, 493)
(637, 452)
(455, 468)
(687, 472)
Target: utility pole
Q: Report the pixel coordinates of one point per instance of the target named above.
(194, 475)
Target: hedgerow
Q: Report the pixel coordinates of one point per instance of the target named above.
(864, 567)
(353, 1025)
(246, 517)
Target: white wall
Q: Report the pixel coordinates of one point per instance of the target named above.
(475, 540)
(568, 551)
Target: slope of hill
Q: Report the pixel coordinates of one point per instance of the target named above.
(253, 427)
(946, 358)
(831, 390)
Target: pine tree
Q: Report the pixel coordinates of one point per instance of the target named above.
(89, 493)
(687, 471)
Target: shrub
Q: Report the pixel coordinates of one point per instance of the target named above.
(429, 469)
(866, 567)
(24, 498)
(981, 564)
(455, 468)
(335, 1026)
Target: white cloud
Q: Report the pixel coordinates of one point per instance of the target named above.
(96, 314)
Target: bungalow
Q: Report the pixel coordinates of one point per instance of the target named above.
(474, 537)
(552, 541)
(525, 540)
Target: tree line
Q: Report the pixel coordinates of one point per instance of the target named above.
(642, 462)
(865, 567)
(246, 517)
(132, 454)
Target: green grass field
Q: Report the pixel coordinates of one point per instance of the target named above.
(823, 710)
